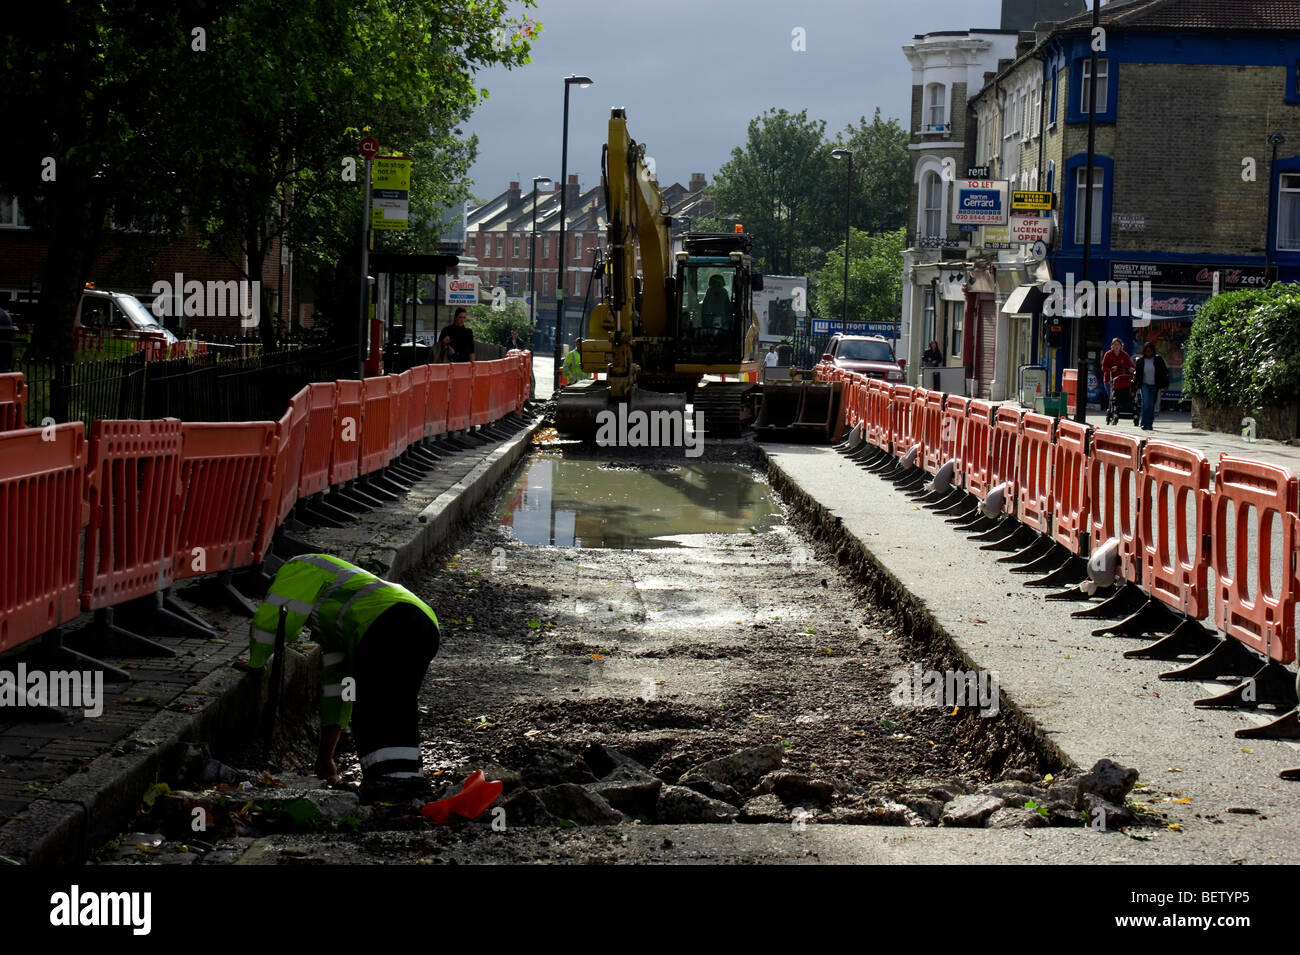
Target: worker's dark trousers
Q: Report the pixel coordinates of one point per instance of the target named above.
(389, 667)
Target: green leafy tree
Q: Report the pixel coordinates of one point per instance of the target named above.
(493, 326)
(1244, 349)
(880, 183)
(875, 265)
(776, 187)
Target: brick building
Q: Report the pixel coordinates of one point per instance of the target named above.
(1189, 93)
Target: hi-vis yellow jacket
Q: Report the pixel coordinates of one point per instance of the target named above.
(341, 601)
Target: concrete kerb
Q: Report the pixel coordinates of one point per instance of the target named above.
(80, 814)
(919, 626)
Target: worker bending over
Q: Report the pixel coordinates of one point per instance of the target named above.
(376, 641)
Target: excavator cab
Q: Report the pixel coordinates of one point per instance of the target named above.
(715, 320)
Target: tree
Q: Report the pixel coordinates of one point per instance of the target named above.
(776, 187)
(875, 265)
(880, 186)
(491, 325)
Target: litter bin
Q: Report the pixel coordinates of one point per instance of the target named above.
(1054, 405)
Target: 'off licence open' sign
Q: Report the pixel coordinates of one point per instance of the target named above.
(980, 201)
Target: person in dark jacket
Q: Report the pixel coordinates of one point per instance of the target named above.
(457, 338)
(1152, 376)
(933, 356)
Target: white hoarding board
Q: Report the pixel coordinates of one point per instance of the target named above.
(781, 307)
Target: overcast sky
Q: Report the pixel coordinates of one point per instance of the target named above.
(693, 73)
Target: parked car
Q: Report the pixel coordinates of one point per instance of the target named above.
(117, 313)
(869, 355)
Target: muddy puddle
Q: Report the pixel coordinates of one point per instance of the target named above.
(566, 502)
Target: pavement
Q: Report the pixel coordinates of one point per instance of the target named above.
(1178, 428)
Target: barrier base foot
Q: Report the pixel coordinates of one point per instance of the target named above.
(911, 480)
(423, 457)
(456, 443)
(1072, 571)
(883, 464)
(287, 544)
(1152, 617)
(404, 473)
(1039, 548)
(852, 442)
(1017, 541)
(54, 653)
(1228, 658)
(1077, 593)
(865, 454)
(1271, 685)
(1000, 530)
(318, 513)
(1045, 561)
(112, 636)
(383, 484)
(370, 487)
(1286, 726)
(1290, 775)
(1188, 639)
(1119, 604)
(975, 521)
(961, 505)
(354, 500)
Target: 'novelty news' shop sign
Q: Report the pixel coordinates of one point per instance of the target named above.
(980, 201)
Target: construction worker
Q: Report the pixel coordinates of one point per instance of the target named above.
(571, 367)
(376, 640)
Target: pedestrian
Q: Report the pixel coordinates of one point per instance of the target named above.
(458, 338)
(772, 358)
(376, 640)
(1153, 375)
(1117, 375)
(933, 356)
(514, 343)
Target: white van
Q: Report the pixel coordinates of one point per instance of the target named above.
(118, 312)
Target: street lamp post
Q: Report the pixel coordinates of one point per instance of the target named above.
(532, 266)
(848, 218)
(583, 82)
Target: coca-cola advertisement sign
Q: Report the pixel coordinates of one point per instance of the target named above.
(1231, 277)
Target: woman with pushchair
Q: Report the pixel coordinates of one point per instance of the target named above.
(1117, 373)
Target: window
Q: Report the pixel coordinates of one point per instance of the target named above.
(577, 246)
(957, 312)
(927, 316)
(11, 217)
(1288, 212)
(514, 247)
(936, 97)
(1050, 185)
(1293, 82)
(501, 245)
(1025, 118)
(1080, 188)
(1051, 107)
(1008, 116)
(932, 206)
(1033, 178)
(1103, 78)
(546, 246)
(1037, 118)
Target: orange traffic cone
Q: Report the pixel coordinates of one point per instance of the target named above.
(475, 795)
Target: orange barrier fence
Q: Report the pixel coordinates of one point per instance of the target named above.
(901, 429)
(226, 484)
(13, 401)
(133, 493)
(1004, 454)
(880, 413)
(290, 440)
(318, 439)
(345, 456)
(480, 408)
(952, 434)
(43, 498)
(417, 402)
(1113, 490)
(930, 432)
(1034, 472)
(399, 409)
(460, 383)
(1070, 496)
(975, 449)
(435, 409)
(1174, 512)
(376, 423)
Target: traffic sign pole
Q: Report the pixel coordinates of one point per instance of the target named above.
(364, 334)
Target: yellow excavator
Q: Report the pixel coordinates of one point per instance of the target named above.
(654, 337)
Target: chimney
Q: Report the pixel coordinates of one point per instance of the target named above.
(514, 193)
(571, 199)
(698, 182)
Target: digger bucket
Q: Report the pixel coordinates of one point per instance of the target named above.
(802, 411)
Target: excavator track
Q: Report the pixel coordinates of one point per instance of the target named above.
(727, 406)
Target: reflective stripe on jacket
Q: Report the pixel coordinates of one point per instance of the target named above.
(340, 601)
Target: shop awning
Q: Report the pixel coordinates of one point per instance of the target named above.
(1025, 300)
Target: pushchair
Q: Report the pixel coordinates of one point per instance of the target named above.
(1121, 405)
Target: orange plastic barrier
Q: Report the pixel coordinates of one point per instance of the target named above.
(435, 408)
(345, 456)
(901, 431)
(13, 401)
(1175, 557)
(931, 432)
(416, 404)
(480, 412)
(399, 409)
(42, 498)
(318, 439)
(1034, 472)
(133, 490)
(1070, 485)
(1265, 622)
(376, 423)
(976, 447)
(290, 440)
(880, 404)
(1114, 481)
(1070, 388)
(460, 382)
(952, 433)
(1003, 454)
(226, 472)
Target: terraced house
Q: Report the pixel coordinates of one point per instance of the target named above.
(1195, 184)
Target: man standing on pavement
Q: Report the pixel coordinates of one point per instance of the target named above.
(772, 358)
(1117, 374)
(458, 338)
(1153, 376)
(376, 641)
